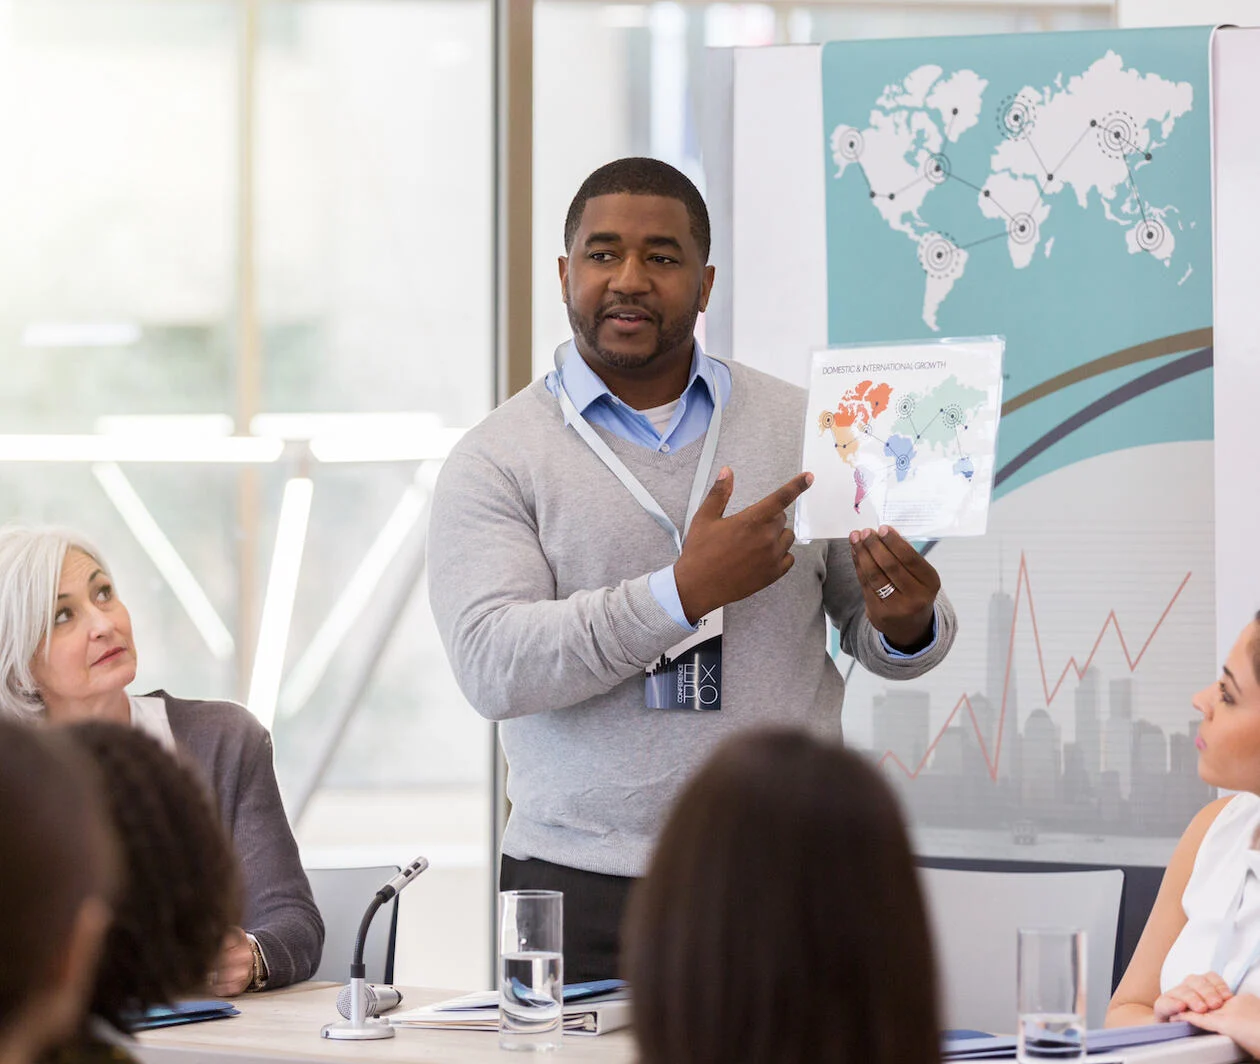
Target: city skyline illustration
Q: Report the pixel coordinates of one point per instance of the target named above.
(1120, 774)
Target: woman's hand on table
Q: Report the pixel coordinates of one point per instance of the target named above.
(1238, 1019)
(1196, 995)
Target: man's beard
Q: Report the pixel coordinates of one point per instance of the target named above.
(670, 334)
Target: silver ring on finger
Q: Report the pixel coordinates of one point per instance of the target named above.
(885, 591)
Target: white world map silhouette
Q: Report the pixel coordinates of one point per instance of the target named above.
(1092, 136)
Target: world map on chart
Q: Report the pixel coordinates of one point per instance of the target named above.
(883, 435)
(1090, 136)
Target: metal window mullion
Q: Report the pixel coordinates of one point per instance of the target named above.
(513, 43)
(248, 345)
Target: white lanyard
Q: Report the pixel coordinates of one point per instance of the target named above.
(618, 468)
(1225, 942)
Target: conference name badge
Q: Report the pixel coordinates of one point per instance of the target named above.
(689, 674)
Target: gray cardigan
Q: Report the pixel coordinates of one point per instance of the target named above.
(233, 751)
(539, 569)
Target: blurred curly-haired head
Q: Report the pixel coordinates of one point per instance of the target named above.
(183, 887)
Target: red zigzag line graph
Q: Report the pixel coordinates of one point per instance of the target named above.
(1023, 584)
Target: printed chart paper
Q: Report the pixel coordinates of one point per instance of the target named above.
(903, 435)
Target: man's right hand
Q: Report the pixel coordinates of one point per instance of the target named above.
(725, 559)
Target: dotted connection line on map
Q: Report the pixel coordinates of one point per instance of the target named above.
(951, 414)
(1115, 135)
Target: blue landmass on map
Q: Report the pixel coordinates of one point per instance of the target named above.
(901, 450)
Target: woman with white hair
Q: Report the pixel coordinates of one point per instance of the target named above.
(67, 655)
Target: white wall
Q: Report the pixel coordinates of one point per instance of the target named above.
(1133, 13)
(1236, 84)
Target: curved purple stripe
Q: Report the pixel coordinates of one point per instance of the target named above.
(1171, 371)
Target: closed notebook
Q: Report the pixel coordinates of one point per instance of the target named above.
(1103, 1040)
(180, 1013)
(585, 1012)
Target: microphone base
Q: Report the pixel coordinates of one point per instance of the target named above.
(347, 1031)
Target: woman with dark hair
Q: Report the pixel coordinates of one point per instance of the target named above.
(58, 866)
(781, 920)
(1200, 949)
(67, 654)
(182, 889)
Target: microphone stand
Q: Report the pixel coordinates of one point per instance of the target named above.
(360, 1026)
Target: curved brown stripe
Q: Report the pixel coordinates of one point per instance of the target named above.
(1165, 345)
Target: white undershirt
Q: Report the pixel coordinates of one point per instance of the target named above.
(148, 713)
(660, 415)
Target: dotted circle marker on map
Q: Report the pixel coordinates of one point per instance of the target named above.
(936, 168)
(1117, 135)
(903, 461)
(939, 256)
(825, 420)
(852, 145)
(952, 415)
(1016, 117)
(1022, 229)
(1151, 234)
(905, 406)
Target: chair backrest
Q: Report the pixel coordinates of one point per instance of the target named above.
(975, 917)
(342, 896)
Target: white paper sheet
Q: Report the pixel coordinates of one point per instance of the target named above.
(904, 435)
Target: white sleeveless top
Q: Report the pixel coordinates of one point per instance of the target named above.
(1216, 932)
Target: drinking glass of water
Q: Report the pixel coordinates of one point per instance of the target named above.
(531, 969)
(1051, 995)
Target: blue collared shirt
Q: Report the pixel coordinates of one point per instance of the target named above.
(596, 403)
(708, 381)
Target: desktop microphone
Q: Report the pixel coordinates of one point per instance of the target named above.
(357, 1026)
(379, 999)
(402, 879)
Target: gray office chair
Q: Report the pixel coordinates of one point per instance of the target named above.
(975, 916)
(342, 896)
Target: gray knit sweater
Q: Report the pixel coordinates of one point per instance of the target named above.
(233, 751)
(538, 576)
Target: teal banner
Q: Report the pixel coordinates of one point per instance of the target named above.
(1054, 189)
(1051, 188)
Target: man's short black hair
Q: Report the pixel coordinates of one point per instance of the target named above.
(641, 177)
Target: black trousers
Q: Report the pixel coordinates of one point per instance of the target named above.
(593, 905)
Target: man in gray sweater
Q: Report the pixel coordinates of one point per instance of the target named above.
(562, 595)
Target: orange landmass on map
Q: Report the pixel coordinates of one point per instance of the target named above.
(857, 408)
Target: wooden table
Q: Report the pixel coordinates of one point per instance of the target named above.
(283, 1025)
